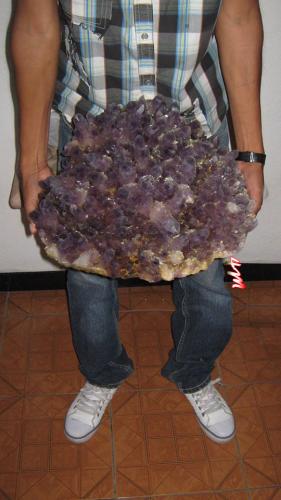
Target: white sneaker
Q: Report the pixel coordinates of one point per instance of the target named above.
(213, 413)
(86, 412)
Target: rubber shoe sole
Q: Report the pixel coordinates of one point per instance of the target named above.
(82, 439)
(214, 437)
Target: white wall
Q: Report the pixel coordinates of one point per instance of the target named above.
(19, 252)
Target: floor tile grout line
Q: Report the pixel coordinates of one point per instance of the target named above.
(18, 394)
(3, 326)
(113, 453)
(242, 466)
(255, 306)
(20, 453)
(263, 343)
(5, 497)
(264, 488)
(28, 370)
(229, 474)
(257, 470)
(43, 315)
(192, 494)
(267, 437)
(20, 308)
(4, 314)
(174, 436)
(145, 440)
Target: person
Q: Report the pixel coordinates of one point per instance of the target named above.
(79, 56)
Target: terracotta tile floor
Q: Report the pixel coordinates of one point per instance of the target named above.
(149, 445)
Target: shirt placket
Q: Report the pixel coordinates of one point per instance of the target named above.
(143, 16)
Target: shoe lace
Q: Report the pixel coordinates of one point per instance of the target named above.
(208, 399)
(91, 400)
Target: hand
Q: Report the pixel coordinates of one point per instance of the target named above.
(30, 191)
(254, 179)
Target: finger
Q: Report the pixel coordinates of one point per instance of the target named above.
(32, 228)
(257, 208)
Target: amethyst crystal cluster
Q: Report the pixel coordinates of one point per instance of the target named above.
(143, 193)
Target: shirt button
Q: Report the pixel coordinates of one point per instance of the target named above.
(144, 36)
(148, 81)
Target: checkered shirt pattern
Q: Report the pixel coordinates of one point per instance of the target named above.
(120, 50)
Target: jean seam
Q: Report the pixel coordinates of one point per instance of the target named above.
(126, 368)
(108, 386)
(183, 334)
(176, 372)
(197, 386)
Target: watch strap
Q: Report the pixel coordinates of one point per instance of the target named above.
(251, 157)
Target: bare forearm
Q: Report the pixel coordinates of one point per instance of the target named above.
(239, 35)
(35, 47)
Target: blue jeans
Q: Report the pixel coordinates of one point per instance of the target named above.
(201, 323)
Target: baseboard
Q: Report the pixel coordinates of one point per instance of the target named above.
(55, 280)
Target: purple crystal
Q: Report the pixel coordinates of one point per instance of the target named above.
(143, 193)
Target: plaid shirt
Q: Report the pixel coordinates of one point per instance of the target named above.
(119, 50)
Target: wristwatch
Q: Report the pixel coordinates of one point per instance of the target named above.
(251, 157)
